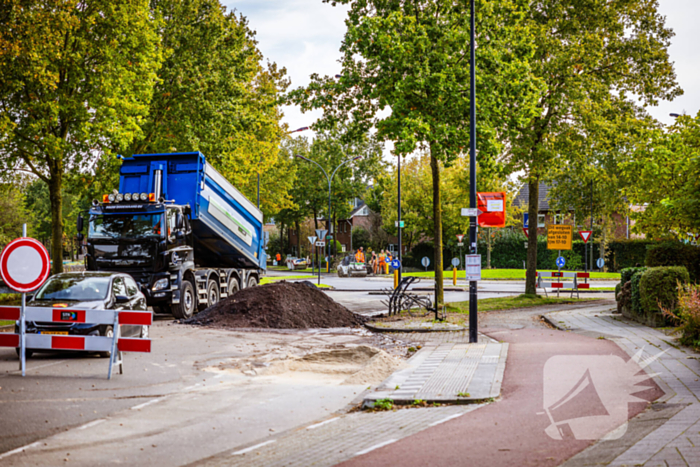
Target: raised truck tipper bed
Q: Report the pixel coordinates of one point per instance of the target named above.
(180, 229)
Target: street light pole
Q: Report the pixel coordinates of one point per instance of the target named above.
(330, 180)
(399, 215)
(473, 307)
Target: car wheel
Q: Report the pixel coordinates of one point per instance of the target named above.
(252, 281)
(212, 295)
(233, 286)
(27, 353)
(188, 302)
(108, 331)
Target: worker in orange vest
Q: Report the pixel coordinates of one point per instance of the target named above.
(360, 256)
(278, 258)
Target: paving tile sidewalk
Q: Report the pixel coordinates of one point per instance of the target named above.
(447, 372)
(677, 440)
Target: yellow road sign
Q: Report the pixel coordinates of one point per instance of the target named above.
(559, 237)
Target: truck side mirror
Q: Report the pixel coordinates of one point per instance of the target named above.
(80, 223)
(80, 237)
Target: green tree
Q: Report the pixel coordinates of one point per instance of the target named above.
(215, 95)
(405, 72)
(592, 59)
(310, 191)
(75, 81)
(663, 175)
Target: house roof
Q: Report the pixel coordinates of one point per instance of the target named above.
(357, 210)
(523, 196)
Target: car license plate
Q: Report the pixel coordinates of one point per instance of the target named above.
(61, 333)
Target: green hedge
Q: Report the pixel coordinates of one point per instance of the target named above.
(636, 301)
(659, 287)
(627, 273)
(675, 254)
(627, 253)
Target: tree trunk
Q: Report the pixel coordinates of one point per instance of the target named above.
(532, 210)
(56, 199)
(437, 231)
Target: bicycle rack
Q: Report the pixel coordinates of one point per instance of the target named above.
(401, 299)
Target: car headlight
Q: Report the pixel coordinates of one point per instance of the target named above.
(127, 196)
(144, 196)
(120, 197)
(160, 284)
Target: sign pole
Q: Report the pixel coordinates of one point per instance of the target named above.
(23, 324)
(473, 307)
(318, 255)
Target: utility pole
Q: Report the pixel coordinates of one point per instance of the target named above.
(473, 306)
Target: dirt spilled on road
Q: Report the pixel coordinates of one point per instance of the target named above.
(280, 305)
(352, 365)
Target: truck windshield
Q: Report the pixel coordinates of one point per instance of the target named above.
(126, 225)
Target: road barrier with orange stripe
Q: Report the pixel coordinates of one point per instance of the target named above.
(116, 344)
(563, 282)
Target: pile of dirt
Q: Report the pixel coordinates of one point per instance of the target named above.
(280, 305)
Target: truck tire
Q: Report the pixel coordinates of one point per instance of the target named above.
(188, 302)
(213, 295)
(233, 286)
(252, 281)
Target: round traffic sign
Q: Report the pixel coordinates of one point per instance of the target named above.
(24, 264)
(396, 264)
(561, 262)
(425, 261)
(600, 263)
(455, 262)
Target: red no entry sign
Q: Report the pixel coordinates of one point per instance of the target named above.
(24, 264)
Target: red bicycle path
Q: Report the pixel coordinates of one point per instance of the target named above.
(510, 431)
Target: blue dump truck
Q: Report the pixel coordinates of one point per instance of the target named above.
(186, 235)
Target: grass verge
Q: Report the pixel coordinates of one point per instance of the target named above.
(508, 303)
(508, 274)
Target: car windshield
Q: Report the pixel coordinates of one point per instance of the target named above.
(125, 225)
(74, 288)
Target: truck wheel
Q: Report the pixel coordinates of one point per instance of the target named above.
(252, 281)
(188, 300)
(212, 295)
(233, 286)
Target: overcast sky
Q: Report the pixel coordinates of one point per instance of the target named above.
(304, 36)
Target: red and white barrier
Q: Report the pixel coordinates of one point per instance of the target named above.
(574, 285)
(115, 344)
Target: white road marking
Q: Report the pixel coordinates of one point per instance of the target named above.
(140, 406)
(376, 446)
(15, 451)
(253, 448)
(311, 427)
(192, 387)
(92, 423)
(446, 419)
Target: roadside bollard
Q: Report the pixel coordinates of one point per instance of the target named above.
(454, 276)
(396, 278)
(387, 269)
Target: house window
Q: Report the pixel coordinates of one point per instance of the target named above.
(558, 218)
(540, 221)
